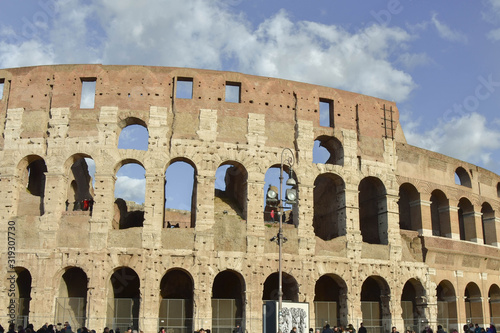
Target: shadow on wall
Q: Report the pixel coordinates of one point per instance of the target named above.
(123, 218)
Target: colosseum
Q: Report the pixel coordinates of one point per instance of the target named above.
(382, 233)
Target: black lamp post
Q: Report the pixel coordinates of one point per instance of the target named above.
(291, 199)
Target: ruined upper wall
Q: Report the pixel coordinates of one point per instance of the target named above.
(133, 89)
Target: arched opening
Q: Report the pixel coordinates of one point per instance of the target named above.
(473, 304)
(373, 211)
(289, 285)
(328, 150)
(23, 293)
(180, 195)
(330, 304)
(494, 303)
(447, 304)
(375, 295)
(130, 192)
(72, 301)
(80, 193)
(124, 299)
(413, 304)
(440, 216)
(176, 307)
(409, 208)
(31, 200)
(488, 224)
(462, 177)
(466, 220)
(290, 212)
(228, 301)
(134, 135)
(329, 207)
(231, 189)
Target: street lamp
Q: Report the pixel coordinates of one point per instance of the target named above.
(291, 199)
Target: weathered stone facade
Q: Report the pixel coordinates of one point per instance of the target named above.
(382, 222)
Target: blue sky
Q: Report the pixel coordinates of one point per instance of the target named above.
(438, 60)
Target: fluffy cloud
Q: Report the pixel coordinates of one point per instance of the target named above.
(130, 189)
(209, 34)
(494, 35)
(470, 137)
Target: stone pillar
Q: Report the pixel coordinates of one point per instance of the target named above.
(97, 299)
(204, 212)
(54, 201)
(150, 303)
(353, 231)
(103, 210)
(450, 214)
(421, 209)
(473, 227)
(154, 208)
(255, 214)
(307, 241)
(42, 293)
(202, 297)
(492, 231)
(393, 233)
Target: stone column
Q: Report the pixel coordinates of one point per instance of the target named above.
(353, 231)
(307, 241)
(103, 210)
(393, 233)
(154, 208)
(54, 201)
(204, 212)
(202, 297)
(450, 214)
(150, 304)
(492, 231)
(473, 227)
(421, 209)
(255, 213)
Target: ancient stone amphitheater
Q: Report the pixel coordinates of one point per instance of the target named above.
(384, 232)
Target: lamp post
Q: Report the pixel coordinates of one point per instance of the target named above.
(291, 198)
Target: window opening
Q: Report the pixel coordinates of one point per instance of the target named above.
(88, 93)
(2, 83)
(184, 88)
(233, 92)
(326, 112)
(130, 192)
(134, 137)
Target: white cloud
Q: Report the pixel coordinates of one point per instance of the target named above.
(446, 32)
(470, 137)
(130, 189)
(208, 34)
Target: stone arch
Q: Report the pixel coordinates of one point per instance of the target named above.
(272, 180)
(375, 296)
(228, 300)
(440, 214)
(494, 303)
(32, 169)
(409, 207)
(488, 224)
(462, 177)
(180, 210)
(176, 300)
(373, 220)
(473, 303)
(290, 288)
(447, 303)
(133, 134)
(466, 220)
(124, 297)
(328, 150)
(413, 303)
(130, 193)
(329, 206)
(80, 189)
(330, 305)
(21, 282)
(71, 302)
(231, 187)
